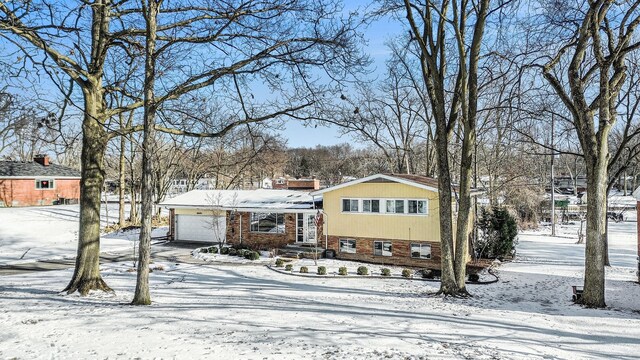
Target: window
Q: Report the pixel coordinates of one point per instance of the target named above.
(370, 205)
(348, 246)
(417, 206)
(44, 184)
(395, 206)
(267, 223)
(421, 251)
(382, 248)
(350, 205)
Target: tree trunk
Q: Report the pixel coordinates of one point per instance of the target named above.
(121, 182)
(142, 295)
(448, 284)
(86, 276)
(594, 294)
(464, 210)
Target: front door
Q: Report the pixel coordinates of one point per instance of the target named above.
(306, 228)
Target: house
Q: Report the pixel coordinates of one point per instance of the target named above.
(384, 218)
(291, 183)
(38, 182)
(261, 218)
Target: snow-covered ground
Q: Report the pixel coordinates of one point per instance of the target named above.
(29, 234)
(250, 312)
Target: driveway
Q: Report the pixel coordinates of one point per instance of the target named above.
(161, 251)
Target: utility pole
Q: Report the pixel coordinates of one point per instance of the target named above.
(553, 185)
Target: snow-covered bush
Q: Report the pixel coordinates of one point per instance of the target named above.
(497, 234)
(427, 274)
(233, 252)
(362, 270)
(322, 270)
(279, 263)
(224, 251)
(473, 277)
(251, 255)
(342, 270)
(385, 272)
(304, 270)
(213, 249)
(289, 267)
(406, 273)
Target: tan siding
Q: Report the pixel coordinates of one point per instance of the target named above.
(189, 211)
(385, 226)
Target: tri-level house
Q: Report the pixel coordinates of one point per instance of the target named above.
(384, 218)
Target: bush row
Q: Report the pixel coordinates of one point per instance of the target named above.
(231, 251)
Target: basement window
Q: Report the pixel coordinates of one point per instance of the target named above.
(44, 184)
(421, 251)
(348, 246)
(382, 248)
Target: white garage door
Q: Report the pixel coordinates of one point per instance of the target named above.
(200, 228)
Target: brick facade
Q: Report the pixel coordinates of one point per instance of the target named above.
(401, 252)
(23, 192)
(259, 240)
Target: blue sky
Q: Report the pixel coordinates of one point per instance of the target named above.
(376, 34)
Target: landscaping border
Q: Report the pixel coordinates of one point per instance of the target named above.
(273, 268)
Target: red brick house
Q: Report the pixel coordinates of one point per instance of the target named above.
(38, 182)
(262, 218)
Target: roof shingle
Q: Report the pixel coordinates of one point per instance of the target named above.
(34, 169)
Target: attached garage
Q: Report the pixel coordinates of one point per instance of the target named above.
(202, 228)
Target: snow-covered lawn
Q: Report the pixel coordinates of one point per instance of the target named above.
(220, 311)
(51, 232)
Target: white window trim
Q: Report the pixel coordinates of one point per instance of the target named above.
(347, 239)
(383, 242)
(50, 180)
(383, 206)
(284, 224)
(420, 257)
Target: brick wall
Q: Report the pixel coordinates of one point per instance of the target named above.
(23, 192)
(400, 249)
(257, 240)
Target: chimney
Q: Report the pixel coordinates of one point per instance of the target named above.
(41, 159)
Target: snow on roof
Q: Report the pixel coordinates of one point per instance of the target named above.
(243, 199)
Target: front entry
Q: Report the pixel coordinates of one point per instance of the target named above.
(305, 228)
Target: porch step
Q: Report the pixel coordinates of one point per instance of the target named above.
(300, 251)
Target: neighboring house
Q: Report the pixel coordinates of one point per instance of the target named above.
(291, 183)
(384, 218)
(259, 218)
(38, 182)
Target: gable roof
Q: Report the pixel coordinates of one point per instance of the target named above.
(31, 169)
(418, 181)
(266, 199)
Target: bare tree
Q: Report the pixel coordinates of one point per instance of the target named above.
(587, 69)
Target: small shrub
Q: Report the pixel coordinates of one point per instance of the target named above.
(342, 270)
(241, 252)
(304, 270)
(204, 250)
(157, 268)
(385, 272)
(406, 273)
(233, 252)
(362, 270)
(474, 277)
(224, 251)
(213, 250)
(289, 267)
(427, 274)
(322, 270)
(279, 262)
(252, 255)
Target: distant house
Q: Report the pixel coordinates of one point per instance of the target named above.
(38, 182)
(290, 183)
(384, 218)
(261, 218)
